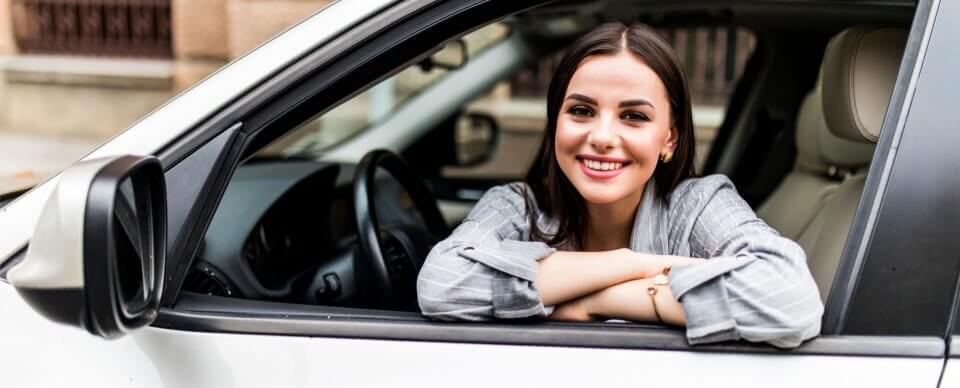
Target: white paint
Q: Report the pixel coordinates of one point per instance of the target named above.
(37, 353)
(55, 258)
(951, 374)
(173, 120)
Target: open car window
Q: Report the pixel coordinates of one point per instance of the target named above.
(311, 262)
(372, 105)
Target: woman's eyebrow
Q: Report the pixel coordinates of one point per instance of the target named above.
(580, 97)
(640, 101)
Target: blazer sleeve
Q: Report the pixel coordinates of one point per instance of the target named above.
(755, 284)
(486, 268)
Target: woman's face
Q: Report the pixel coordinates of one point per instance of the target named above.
(613, 125)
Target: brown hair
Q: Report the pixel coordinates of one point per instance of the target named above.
(551, 189)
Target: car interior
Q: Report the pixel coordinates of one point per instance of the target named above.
(796, 95)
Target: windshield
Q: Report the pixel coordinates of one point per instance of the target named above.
(368, 108)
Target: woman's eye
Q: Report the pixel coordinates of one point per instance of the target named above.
(634, 116)
(580, 110)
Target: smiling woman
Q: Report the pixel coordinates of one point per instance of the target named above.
(610, 223)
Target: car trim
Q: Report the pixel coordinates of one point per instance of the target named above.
(225, 153)
(6, 266)
(954, 347)
(226, 315)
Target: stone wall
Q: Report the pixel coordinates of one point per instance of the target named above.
(252, 22)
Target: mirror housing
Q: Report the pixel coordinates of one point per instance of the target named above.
(475, 138)
(97, 254)
(449, 56)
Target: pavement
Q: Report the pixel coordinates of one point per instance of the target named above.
(27, 159)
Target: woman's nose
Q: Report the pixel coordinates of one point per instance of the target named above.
(603, 136)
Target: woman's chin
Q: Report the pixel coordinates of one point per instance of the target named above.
(602, 195)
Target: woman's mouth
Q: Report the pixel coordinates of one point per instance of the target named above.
(601, 168)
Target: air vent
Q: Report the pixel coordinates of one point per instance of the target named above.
(203, 278)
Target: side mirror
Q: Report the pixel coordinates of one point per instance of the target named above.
(475, 138)
(97, 255)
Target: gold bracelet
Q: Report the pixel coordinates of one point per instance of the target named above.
(660, 280)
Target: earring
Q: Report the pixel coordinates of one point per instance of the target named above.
(666, 157)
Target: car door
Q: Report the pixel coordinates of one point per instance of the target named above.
(931, 112)
(864, 342)
(201, 340)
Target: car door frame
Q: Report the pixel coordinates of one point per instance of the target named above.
(926, 162)
(267, 122)
(344, 65)
(905, 168)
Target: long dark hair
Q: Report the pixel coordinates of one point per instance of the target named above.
(555, 196)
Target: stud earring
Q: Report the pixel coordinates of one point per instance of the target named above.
(666, 157)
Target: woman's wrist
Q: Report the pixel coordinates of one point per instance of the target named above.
(652, 265)
(645, 265)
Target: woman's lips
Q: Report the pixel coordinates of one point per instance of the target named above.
(597, 174)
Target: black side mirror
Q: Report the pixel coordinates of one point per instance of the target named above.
(97, 256)
(475, 138)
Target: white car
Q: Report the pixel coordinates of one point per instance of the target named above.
(238, 236)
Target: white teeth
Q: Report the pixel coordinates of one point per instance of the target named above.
(602, 166)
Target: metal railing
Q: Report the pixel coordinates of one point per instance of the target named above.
(714, 59)
(118, 28)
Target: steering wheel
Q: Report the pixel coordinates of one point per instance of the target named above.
(391, 255)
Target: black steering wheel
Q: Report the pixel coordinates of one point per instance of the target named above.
(391, 255)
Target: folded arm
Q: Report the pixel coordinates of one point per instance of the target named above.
(487, 270)
(755, 285)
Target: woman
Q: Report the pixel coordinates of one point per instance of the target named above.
(611, 223)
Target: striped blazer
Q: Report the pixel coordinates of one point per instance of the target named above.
(754, 286)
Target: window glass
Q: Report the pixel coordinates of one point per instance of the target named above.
(362, 111)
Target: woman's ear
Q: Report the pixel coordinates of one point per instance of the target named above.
(672, 138)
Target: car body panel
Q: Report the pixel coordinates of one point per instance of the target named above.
(155, 357)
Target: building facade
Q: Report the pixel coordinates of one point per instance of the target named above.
(92, 67)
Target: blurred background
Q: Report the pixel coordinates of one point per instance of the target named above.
(73, 73)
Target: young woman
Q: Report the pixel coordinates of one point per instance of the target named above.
(611, 223)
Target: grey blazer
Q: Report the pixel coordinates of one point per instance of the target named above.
(754, 286)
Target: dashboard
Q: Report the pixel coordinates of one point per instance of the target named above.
(285, 230)
(280, 228)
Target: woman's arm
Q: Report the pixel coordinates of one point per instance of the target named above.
(486, 269)
(630, 300)
(564, 276)
(755, 286)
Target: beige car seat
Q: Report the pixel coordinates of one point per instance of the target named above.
(823, 160)
(857, 77)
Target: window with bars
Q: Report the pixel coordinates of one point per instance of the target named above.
(116, 28)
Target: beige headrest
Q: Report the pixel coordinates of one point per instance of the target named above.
(859, 70)
(818, 148)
